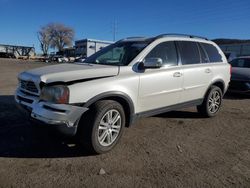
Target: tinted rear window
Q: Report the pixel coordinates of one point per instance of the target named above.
(212, 52)
(189, 52)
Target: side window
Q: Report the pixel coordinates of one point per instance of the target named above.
(166, 51)
(189, 52)
(203, 54)
(212, 53)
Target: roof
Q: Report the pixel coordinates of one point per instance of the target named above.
(9, 45)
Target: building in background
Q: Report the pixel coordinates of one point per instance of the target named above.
(67, 52)
(238, 49)
(16, 51)
(87, 47)
(236, 46)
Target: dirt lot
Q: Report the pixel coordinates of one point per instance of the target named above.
(177, 149)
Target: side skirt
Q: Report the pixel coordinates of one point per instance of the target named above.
(166, 109)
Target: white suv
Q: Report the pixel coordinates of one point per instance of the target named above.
(135, 77)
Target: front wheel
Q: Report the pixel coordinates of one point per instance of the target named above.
(212, 102)
(102, 128)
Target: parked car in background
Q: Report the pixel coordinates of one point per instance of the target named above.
(80, 59)
(59, 59)
(71, 59)
(132, 78)
(240, 80)
(43, 58)
(7, 55)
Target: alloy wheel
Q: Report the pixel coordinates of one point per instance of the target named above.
(214, 102)
(109, 127)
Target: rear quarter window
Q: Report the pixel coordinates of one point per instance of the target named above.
(212, 52)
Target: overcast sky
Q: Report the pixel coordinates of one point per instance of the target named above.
(21, 19)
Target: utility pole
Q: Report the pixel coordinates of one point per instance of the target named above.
(114, 30)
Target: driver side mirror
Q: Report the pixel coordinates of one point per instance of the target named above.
(153, 63)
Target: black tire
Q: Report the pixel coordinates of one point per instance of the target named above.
(206, 109)
(88, 131)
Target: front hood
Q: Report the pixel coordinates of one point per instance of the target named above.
(68, 72)
(240, 73)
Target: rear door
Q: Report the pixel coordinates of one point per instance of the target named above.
(197, 72)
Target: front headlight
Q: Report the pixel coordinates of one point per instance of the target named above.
(56, 94)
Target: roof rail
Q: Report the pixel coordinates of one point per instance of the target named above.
(135, 37)
(182, 35)
(131, 38)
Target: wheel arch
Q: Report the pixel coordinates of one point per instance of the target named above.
(120, 97)
(219, 83)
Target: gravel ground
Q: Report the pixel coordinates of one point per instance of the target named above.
(176, 149)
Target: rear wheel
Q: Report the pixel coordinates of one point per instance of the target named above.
(212, 102)
(101, 129)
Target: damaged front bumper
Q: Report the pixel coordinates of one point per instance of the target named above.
(64, 117)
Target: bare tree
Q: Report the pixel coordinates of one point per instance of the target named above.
(61, 35)
(55, 35)
(44, 38)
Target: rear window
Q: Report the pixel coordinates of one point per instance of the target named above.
(189, 52)
(241, 62)
(212, 52)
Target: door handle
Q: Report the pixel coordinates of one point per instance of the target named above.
(177, 74)
(208, 70)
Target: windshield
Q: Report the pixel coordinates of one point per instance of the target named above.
(241, 62)
(120, 53)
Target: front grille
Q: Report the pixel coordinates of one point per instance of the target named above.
(28, 86)
(24, 99)
(53, 109)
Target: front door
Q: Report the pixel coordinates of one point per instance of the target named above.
(161, 87)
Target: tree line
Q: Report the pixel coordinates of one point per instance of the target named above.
(56, 36)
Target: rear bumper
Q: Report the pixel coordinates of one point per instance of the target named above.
(63, 117)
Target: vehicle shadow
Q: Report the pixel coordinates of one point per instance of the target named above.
(196, 115)
(20, 139)
(181, 115)
(236, 96)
